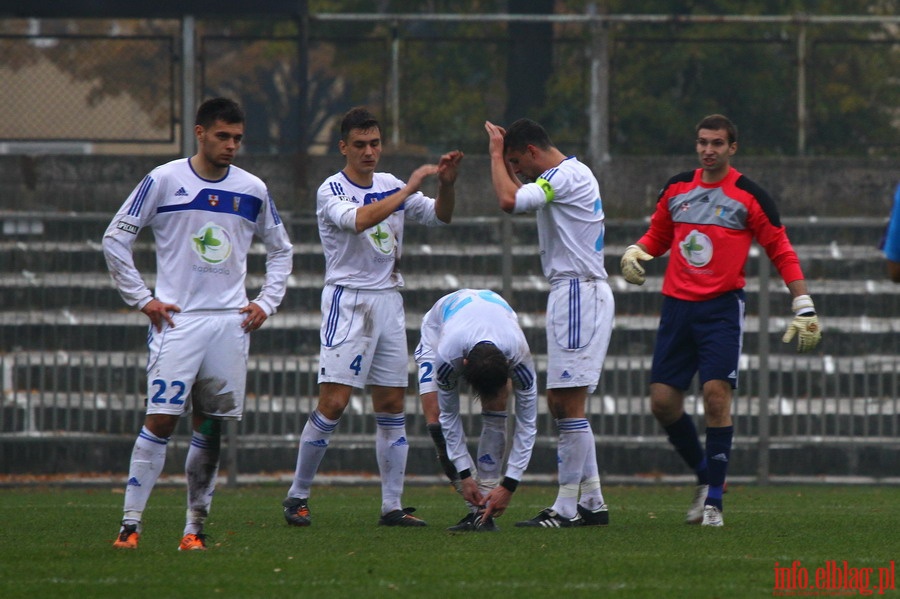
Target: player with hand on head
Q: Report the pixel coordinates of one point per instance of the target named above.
(474, 334)
(565, 197)
(707, 219)
(204, 213)
(361, 216)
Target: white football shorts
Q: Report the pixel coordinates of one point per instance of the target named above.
(580, 317)
(363, 338)
(199, 365)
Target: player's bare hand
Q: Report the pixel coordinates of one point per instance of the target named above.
(448, 167)
(495, 138)
(256, 316)
(470, 491)
(159, 312)
(497, 501)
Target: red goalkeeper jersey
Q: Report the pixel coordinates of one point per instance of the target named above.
(709, 229)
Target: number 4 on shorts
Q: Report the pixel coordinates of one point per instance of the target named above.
(356, 364)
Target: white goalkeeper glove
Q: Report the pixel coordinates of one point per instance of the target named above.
(631, 265)
(805, 325)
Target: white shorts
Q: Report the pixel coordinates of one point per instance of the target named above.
(199, 365)
(580, 317)
(363, 338)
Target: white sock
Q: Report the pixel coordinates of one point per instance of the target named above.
(591, 493)
(313, 443)
(147, 460)
(491, 446)
(574, 444)
(201, 469)
(391, 450)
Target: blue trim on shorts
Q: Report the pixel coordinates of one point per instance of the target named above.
(333, 315)
(574, 314)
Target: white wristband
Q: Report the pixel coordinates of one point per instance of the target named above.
(802, 304)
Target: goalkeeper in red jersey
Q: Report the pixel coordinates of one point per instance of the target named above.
(707, 219)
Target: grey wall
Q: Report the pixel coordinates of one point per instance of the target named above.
(802, 186)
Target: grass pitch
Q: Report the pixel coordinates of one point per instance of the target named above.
(56, 542)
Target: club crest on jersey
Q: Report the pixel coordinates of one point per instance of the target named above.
(213, 199)
(211, 243)
(381, 236)
(697, 248)
(236, 203)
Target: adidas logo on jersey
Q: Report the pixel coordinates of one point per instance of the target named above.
(486, 459)
(181, 192)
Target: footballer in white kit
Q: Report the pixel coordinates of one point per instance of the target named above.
(363, 334)
(565, 197)
(204, 213)
(361, 214)
(203, 231)
(452, 329)
(580, 308)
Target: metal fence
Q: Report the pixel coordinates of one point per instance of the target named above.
(73, 357)
(823, 76)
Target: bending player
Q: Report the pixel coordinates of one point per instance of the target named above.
(475, 334)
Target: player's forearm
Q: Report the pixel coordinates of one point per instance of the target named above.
(505, 184)
(372, 214)
(445, 202)
(798, 287)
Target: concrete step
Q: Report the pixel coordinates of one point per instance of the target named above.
(105, 379)
(42, 258)
(298, 333)
(834, 296)
(83, 226)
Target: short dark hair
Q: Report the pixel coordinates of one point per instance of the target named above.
(219, 109)
(714, 122)
(486, 369)
(525, 132)
(358, 118)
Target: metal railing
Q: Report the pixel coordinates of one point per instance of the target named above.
(845, 395)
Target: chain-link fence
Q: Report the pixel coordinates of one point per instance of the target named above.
(797, 85)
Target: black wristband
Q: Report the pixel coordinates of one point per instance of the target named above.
(464, 474)
(509, 484)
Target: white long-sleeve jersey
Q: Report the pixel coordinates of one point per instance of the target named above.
(370, 259)
(570, 220)
(203, 232)
(450, 329)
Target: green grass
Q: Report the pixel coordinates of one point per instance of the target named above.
(56, 542)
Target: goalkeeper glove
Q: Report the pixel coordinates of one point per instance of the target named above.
(805, 325)
(631, 266)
